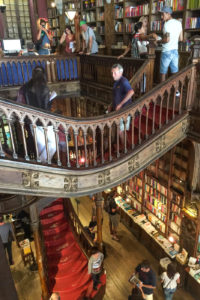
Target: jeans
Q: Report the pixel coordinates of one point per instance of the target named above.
(169, 59)
(96, 280)
(128, 123)
(169, 293)
(8, 247)
(44, 51)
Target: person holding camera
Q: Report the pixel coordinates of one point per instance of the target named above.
(44, 39)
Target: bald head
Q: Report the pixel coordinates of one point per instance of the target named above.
(55, 296)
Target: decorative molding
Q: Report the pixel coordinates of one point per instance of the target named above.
(104, 178)
(71, 183)
(160, 144)
(134, 163)
(30, 179)
(184, 126)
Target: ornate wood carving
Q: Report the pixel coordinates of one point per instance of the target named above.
(71, 184)
(104, 178)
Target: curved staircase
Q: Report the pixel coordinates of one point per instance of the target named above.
(66, 263)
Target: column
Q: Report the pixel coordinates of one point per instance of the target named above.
(99, 205)
(39, 251)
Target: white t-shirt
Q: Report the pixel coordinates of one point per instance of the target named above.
(174, 28)
(169, 283)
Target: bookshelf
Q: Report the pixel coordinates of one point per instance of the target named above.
(93, 13)
(54, 23)
(127, 13)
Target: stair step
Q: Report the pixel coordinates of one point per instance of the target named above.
(58, 239)
(56, 230)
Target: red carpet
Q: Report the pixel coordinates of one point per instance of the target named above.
(67, 264)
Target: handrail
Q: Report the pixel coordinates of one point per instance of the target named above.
(89, 141)
(17, 70)
(81, 235)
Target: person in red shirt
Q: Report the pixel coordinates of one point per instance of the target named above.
(69, 38)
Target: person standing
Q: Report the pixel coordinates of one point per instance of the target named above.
(170, 279)
(44, 38)
(69, 39)
(147, 278)
(95, 266)
(6, 234)
(172, 34)
(89, 43)
(122, 93)
(113, 219)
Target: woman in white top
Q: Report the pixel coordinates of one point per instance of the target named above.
(170, 279)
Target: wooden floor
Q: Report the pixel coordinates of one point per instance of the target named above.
(122, 258)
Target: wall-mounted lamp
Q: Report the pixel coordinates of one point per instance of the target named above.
(70, 14)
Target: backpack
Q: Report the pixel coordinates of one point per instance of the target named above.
(134, 48)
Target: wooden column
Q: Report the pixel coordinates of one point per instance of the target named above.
(32, 20)
(39, 253)
(99, 213)
(7, 287)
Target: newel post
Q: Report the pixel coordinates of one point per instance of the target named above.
(38, 248)
(151, 57)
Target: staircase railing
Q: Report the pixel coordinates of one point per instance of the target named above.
(91, 142)
(83, 238)
(15, 71)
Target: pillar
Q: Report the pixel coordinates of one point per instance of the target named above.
(39, 252)
(99, 213)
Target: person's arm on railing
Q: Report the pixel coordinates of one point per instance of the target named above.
(89, 45)
(126, 98)
(128, 48)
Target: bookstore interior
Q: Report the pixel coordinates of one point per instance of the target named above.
(153, 204)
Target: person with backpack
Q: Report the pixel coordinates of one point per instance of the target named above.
(169, 280)
(139, 41)
(89, 43)
(95, 266)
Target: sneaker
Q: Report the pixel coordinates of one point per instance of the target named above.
(178, 93)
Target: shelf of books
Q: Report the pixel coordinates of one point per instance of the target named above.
(175, 216)
(54, 23)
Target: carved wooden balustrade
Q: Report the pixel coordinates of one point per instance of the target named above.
(96, 78)
(92, 142)
(15, 71)
(81, 235)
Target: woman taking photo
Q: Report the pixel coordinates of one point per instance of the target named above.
(69, 38)
(139, 41)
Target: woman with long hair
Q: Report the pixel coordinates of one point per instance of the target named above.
(170, 279)
(69, 38)
(138, 42)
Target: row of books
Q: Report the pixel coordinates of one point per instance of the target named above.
(101, 29)
(54, 22)
(129, 27)
(192, 23)
(175, 218)
(156, 25)
(160, 215)
(151, 191)
(156, 185)
(157, 204)
(131, 11)
(52, 12)
(154, 200)
(153, 219)
(90, 17)
(175, 227)
(100, 16)
(118, 12)
(193, 4)
(175, 208)
(99, 3)
(119, 27)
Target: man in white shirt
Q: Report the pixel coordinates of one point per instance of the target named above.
(89, 40)
(172, 34)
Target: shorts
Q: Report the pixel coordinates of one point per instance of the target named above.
(148, 297)
(128, 123)
(169, 59)
(114, 219)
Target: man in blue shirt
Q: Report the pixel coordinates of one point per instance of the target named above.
(147, 279)
(122, 93)
(5, 232)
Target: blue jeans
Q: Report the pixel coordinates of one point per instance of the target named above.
(169, 293)
(44, 51)
(128, 123)
(169, 59)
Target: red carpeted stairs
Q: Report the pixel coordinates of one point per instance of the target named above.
(67, 264)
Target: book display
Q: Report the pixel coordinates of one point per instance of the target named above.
(54, 23)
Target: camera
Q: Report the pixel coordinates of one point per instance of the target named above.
(2, 8)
